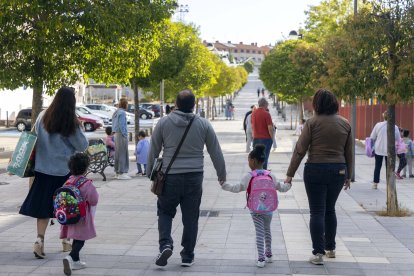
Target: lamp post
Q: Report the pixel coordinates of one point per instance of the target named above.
(183, 9)
(353, 114)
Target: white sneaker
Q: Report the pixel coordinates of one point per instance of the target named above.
(260, 263)
(269, 259)
(78, 265)
(330, 253)
(124, 176)
(374, 185)
(316, 259)
(116, 176)
(67, 265)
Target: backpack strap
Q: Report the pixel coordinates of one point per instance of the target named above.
(78, 182)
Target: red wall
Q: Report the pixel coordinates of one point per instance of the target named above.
(369, 115)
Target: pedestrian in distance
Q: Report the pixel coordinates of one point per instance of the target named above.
(258, 92)
(110, 141)
(401, 149)
(262, 126)
(409, 154)
(263, 92)
(183, 182)
(120, 128)
(141, 152)
(249, 130)
(379, 139)
(261, 209)
(228, 110)
(327, 139)
(59, 135)
(245, 117)
(85, 228)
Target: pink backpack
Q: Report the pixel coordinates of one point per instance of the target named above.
(261, 193)
(400, 146)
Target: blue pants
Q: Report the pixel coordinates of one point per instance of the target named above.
(185, 190)
(323, 183)
(268, 144)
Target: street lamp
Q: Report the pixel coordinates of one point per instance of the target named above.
(183, 9)
(294, 35)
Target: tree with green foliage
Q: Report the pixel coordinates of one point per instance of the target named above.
(249, 66)
(44, 44)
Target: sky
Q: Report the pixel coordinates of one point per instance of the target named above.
(247, 21)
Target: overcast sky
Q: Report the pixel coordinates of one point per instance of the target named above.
(247, 21)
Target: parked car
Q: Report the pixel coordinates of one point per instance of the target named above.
(143, 113)
(156, 108)
(109, 111)
(84, 110)
(24, 120)
(89, 122)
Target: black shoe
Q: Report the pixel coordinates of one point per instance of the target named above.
(163, 257)
(187, 262)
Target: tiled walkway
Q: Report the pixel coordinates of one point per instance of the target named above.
(127, 223)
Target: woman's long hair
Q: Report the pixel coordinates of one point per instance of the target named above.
(60, 117)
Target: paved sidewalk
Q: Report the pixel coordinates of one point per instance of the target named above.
(126, 223)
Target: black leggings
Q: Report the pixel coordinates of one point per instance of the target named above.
(76, 248)
(403, 162)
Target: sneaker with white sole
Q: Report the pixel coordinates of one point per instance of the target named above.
(374, 186)
(124, 176)
(38, 249)
(269, 259)
(67, 265)
(187, 262)
(261, 263)
(316, 259)
(78, 265)
(330, 253)
(162, 258)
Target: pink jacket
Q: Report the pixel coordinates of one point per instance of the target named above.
(85, 228)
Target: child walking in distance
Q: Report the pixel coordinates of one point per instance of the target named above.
(84, 229)
(110, 141)
(142, 153)
(261, 186)
(409, 153)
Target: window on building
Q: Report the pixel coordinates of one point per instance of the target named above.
(254, 52)
(241, 51)
(247, 51)
(235, 51)
(259, 52)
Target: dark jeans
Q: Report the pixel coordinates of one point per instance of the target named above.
(184, 190)
(323, 183)
(76, 248)
(268, 144)
(403, 162)
(378, 165)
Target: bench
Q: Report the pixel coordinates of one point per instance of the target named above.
(99, 160)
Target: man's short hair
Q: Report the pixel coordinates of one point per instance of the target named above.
(185, 101)
(262, 102)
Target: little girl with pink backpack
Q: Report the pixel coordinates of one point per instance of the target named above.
(261, 188)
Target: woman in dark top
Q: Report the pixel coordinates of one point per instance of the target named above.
(328, 141)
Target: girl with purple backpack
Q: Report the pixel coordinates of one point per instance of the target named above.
(261, 186)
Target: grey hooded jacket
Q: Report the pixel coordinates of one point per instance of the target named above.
(167, 135)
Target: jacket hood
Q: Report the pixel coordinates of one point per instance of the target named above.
(179, 118)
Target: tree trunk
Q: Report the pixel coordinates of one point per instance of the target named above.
(37, 98)
(208, 108)
(392, 202)
(301, 113)
(136, 109)
(212, 109)
(291, 116)
(197, 111)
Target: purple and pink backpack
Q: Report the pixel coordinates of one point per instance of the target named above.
(369, 149)
(261, 193)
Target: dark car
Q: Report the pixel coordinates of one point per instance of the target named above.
(156, 108)
(143, 113)
(24, 120)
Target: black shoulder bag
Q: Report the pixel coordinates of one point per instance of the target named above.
(158, 183)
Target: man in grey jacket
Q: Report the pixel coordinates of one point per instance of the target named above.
(183, 184)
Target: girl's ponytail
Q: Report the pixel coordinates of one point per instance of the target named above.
(258, 153)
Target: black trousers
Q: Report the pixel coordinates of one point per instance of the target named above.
(184, 190)
(76, 248)
(323, 183)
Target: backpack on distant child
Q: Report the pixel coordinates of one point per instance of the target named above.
(369, 149)
(68, 203)
(261, 193)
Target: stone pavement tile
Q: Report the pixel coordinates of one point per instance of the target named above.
(378, 272)
(316, 270)
(345, 271)
(376, 260)
(336, 264)
(17, 268)
(158, 272)
(122, 272)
